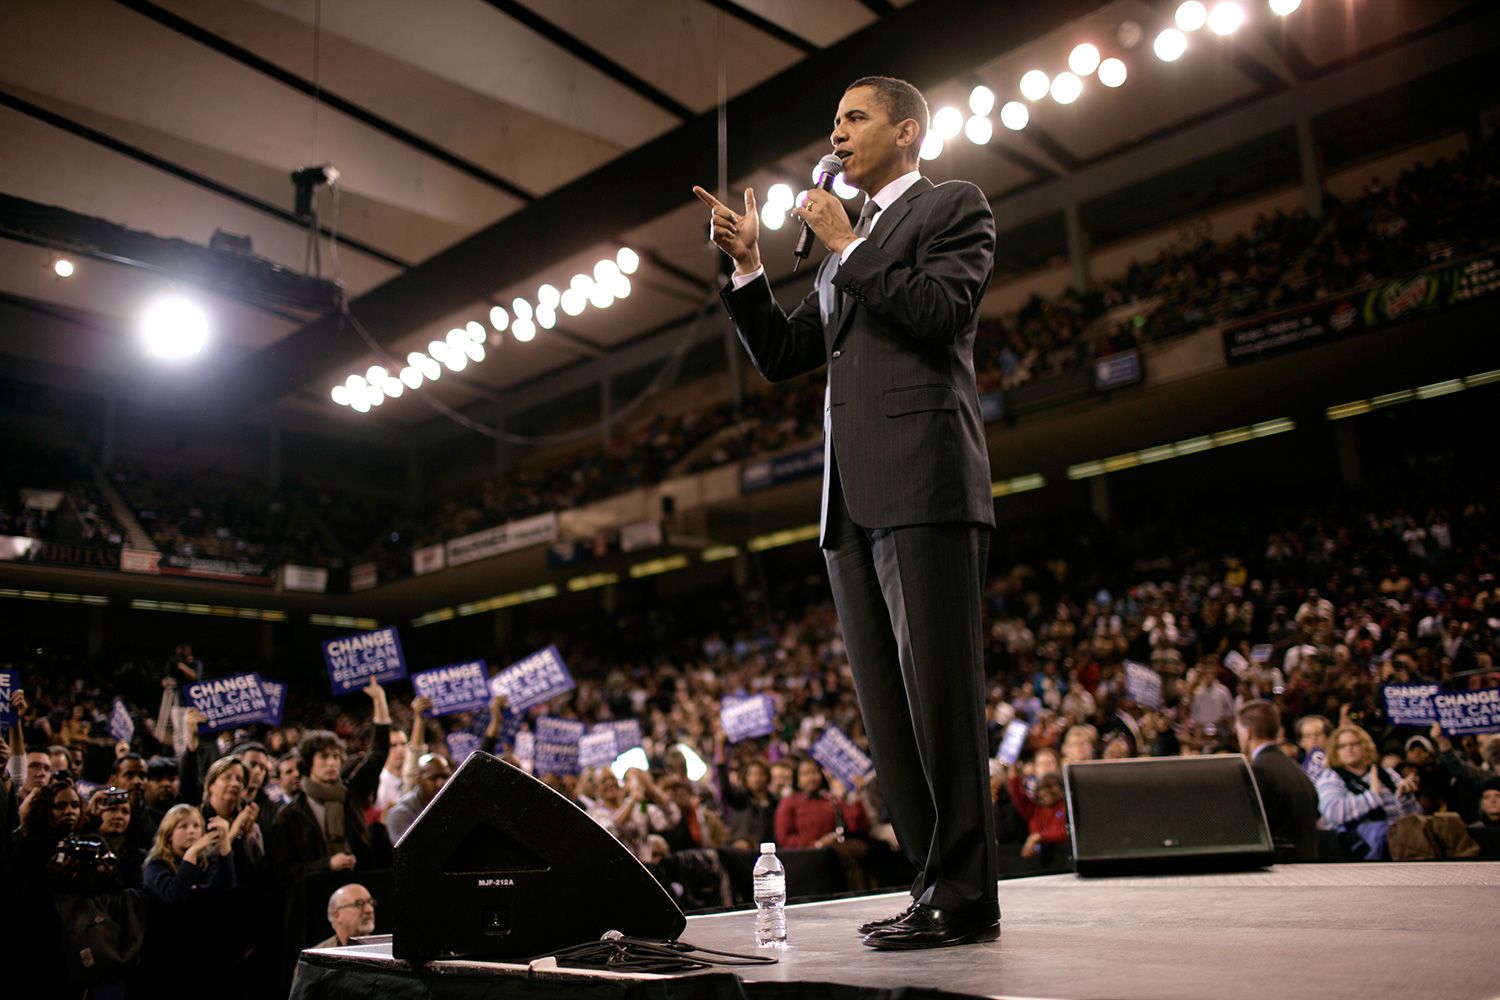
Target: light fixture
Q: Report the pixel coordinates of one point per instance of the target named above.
(602, 296)
(341, 394)
(1170, 45)
(843, 188)
(475, 331)
(457, 341)
(580, 283)
(355, 384)
(1226, 18)
(777, 196)
(412, 376)
(1034, 85)
(376, 374)
(393, 387)
(456, 361)
(438, 349)
(1066, 88)
(523, 330)
(1129, 34)
(1014, 115)
(548, 296)
(1191, 16)
(979, 130)
(1284, 7)
(628, 260)
(473, 349)
(605, 272)
(174, 328)
(521, 309)
(573, 300)
(948, 122)
(981, 100)
(1112, 72)
(431, 370)
(499, 318)
(932, 146)
(63, 267)
(621, 287)
(546, 318)
(1084, 58)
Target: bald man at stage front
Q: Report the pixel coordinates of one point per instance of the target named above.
(907, 510)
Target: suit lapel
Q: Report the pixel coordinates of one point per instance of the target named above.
(887, 223)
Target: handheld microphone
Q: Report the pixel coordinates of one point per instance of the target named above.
(829, 167)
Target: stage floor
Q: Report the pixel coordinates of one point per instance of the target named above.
(1330, 931)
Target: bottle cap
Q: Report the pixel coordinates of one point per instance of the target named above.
(768, 848)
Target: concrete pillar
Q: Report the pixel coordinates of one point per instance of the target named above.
(1312, 168)
(1078, 245)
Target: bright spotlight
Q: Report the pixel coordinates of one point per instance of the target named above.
(695, 768)
(1129, 34)
(773, 217)
(605, 272)
(376, 374)
(621, 287)
(520, 309)
(580, 283)
(474, 350)
(801, 197)
(341, 394)
(843, 188)
(174, 328)
(602, 297)
(415, 359)
(456, 361)
(546, 318)
(628, 260)
(948, 122)
(1034, 85)
(456, 341)
(392, 387)
(431, 370)
(779, 195)
(1084, 58)
(476, 332)
(63, 268)
(524, 330)
(438, 349)
(1112, 72)
(412, 376)
(1284, 7)
(573, 300)
(1191, 16)
(548, 296)
(499, 318)
(932, 146)
(355, 384)
(374, 396)
(1066, 87)
(981, 100)
(979, 130)
(1170, 45)
(359, 403)
(1226, 18)
(1014, 115)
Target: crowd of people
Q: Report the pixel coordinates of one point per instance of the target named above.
(49, 494)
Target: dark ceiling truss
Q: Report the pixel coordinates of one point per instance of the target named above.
(1290, 52)
(56, 120)
(1268, 79)
(572, 45)
(1049, 144)
(764, 26)
(997, 147)
(880, 8)
(324, 96)
(916, 42)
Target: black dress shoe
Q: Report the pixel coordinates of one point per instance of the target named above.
(872, 925)
(929, 927)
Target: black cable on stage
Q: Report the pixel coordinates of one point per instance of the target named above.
(615, 952)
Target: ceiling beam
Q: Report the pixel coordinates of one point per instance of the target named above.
(765, 124)
(763, 25)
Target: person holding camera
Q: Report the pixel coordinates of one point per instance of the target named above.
(190, 876)
(110, 814)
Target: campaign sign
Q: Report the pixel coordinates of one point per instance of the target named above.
(627, 733)
(353, 659)
(275, 700)
(1409, 704)
(837, 752)
(121, 725)
(1464, 712)
(1142, 684)
(227, 702)
(10, 683)
(531, 681)
(526, 750)
(1012, 743)
(557, 745)
(1236, 662)
(597, 748)
(744, 718)
(460, 745)
(1316, 763)
(458, 687)
(1261, 653)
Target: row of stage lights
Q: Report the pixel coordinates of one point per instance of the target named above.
(948, 123)
(609, 281)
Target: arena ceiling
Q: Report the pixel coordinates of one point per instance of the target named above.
(487, 146)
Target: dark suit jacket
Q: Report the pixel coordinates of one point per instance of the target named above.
(1291, 802)
(298, 847)
(907, 436)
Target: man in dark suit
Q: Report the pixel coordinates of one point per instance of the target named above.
(1287, 793)
(907, 509)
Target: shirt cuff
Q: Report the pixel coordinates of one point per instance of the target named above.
(849, 249)
(741, 280)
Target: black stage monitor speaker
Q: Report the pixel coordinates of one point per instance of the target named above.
(500, 865)
(1166, 814)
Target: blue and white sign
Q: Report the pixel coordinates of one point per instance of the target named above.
(1463, 712)
(1116, 370)
(1142, 684)
(1316, 762)
(1012, 743)
(121, 725)
(837, 752)
(597, 748)
(275, 700)
(226, 702)
(627, 733)
(458, 687)
(461, 745)
(1261, 653)
(353, 659)
(1410, 704)
(541, 676)
(767, 472)
(557, 745)
(745, 718)
(10, 683)
(526, 750)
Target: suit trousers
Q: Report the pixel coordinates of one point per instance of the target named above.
(908, 599)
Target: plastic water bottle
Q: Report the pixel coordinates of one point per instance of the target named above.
(770, 899)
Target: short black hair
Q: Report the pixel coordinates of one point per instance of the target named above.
(901, 101)
(240, 749)
(1261, 719)
(318, 739)
(120, 760)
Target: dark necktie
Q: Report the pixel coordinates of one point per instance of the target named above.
(861, 231)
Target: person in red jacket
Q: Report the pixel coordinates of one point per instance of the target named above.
(1044, 811)
(817, 816)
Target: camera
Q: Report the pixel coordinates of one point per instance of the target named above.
(111, 797)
